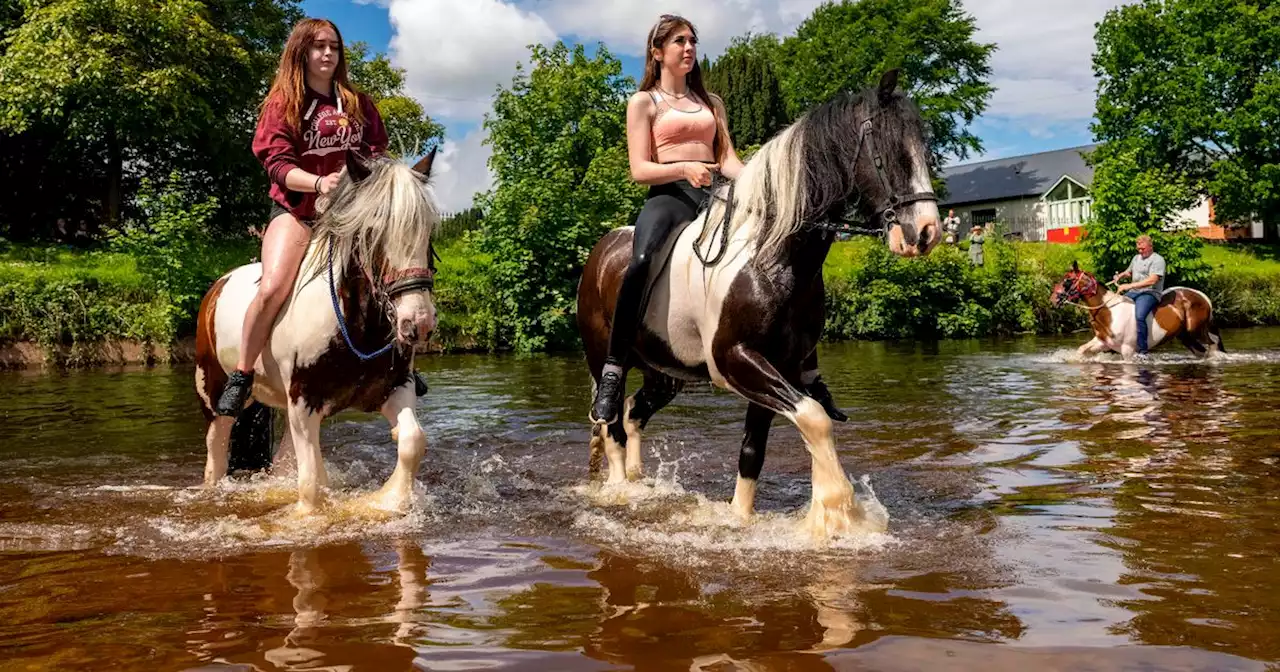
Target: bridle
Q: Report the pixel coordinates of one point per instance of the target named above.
(395, 283)
(886, 211)
(1079, 292)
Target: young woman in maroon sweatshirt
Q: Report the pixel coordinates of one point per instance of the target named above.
(311, 116)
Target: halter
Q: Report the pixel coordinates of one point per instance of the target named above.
(397, 282)
(886, 211)
(1086, 291)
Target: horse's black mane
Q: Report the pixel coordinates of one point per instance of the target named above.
(829, 135)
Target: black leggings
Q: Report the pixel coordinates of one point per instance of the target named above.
(667, 206)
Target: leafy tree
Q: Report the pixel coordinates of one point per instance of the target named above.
(1130, 200)
(744, 78)
(98, 93)
(410, 131)
(847, 46)
(561, 180)
(1193, 87)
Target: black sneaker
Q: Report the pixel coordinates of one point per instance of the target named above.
(818, 391)
(235, 394)
(420, 384)
(608, 396)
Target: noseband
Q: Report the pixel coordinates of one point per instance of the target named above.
(409, 280)
(396, 283)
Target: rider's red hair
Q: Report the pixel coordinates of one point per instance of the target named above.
(288, 90)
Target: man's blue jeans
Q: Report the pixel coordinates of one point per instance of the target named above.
(1144, 303)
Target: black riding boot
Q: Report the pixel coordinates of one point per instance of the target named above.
(235, 394)
(419, 383)
(817, 390)
(626, 322)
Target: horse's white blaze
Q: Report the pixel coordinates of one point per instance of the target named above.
(921, 212)
(411, 446)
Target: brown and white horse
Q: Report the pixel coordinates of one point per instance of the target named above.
(749, 317)
(1183, 312)
(345, 337)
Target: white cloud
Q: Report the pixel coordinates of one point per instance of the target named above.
(461, 171)
(456, 52)
(1043, 62)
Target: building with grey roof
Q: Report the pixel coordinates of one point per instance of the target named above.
(1045, 196)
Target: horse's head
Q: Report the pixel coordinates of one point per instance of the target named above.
(891, 172)
(1076, 285)
(380, 219)
(864, 153)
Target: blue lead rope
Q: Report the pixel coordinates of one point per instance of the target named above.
(342, 322)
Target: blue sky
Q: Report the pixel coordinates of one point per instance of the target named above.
(456, 51)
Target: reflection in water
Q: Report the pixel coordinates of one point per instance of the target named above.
(1087, 514)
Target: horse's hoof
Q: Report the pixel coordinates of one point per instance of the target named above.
(390, 500)
(304, 508)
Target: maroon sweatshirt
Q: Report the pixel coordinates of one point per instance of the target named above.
(318, 147)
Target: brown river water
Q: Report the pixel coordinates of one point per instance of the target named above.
(1043, 513)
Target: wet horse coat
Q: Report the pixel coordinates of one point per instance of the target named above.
(374, 238)
(1182, 313)
(749, 318)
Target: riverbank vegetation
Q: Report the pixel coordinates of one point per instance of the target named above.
(60, 296)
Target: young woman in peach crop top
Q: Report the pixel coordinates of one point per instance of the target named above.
(677, 138)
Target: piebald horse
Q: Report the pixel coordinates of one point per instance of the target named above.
(739, 299)
(346, 336)
(1182, 312)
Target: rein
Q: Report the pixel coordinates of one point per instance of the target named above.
(408, 280)
(888, 213)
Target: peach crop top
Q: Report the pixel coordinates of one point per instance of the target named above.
(673, 126)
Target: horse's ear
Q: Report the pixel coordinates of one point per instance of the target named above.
(888, 82)
(356, 167)
(1075, 266)
(423, 166)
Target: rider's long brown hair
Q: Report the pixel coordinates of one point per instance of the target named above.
(658, 36)
(288, 90)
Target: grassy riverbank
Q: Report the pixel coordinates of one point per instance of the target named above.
(74, 300)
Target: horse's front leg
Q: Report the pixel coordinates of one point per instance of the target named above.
(755, 436)
(304, 426)
(1091, 348)
(217, 441)
(411, 446)
(832, 509)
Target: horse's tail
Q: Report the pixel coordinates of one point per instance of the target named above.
(251, 439)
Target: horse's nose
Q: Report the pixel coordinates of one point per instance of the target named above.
(408, 330)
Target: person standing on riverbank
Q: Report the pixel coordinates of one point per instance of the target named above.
(950, 228)
(976, 239)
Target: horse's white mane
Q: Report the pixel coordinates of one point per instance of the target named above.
(391, 213)
(771, 185)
